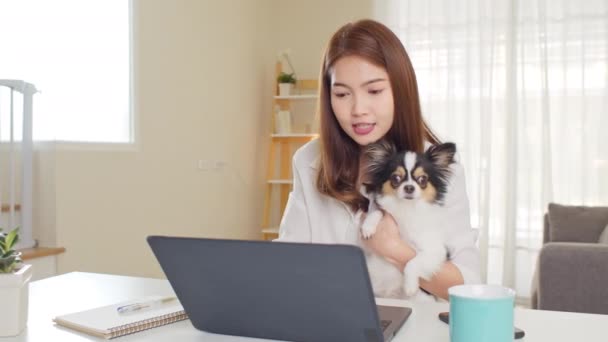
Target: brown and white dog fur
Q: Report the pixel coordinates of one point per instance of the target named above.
(411, 187)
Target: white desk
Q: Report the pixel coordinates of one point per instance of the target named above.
(79, 291)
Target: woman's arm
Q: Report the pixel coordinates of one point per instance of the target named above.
(388, 243)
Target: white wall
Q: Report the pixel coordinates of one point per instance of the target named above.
(199, 66)
(203, 77)
(306, 26)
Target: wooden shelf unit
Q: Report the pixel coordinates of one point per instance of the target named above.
(282, 146)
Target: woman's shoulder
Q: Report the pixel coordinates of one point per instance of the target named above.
(308, 154)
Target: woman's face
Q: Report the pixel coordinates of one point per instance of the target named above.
(362, 99)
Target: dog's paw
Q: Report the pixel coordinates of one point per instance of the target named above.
(410, 279)
(368, 228)
(410, 286)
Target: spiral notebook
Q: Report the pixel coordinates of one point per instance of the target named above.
(107, 322)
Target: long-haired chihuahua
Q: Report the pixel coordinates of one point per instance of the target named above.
(411, 187)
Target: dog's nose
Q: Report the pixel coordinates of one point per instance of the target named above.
(409, 189)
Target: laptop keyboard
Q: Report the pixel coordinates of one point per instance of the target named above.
(385, 323)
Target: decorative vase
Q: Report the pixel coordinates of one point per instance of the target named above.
(284, 89)
(14, 298)
(283, 122)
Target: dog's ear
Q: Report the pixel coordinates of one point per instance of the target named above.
(379, 151)
(442, 155)
(375, 158)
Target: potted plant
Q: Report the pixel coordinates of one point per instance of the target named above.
(14, 282)
(285, 81)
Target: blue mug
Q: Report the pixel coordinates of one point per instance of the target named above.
(481, 313)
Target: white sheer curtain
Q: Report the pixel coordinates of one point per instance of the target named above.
(522, 88)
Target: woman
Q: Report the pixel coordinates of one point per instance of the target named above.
(368, 92)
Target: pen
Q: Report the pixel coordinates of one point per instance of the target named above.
(145, 304)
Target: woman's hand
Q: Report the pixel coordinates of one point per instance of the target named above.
(387, 243)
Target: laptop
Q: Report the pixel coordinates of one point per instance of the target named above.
(276, 290)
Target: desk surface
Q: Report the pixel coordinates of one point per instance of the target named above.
(79, 291)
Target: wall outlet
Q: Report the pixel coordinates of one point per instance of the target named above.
(219, 165)
(211, 165)
(204, 164)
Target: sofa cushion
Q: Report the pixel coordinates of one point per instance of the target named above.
(604, 237)
(576, 223)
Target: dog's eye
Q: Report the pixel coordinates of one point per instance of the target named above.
(422, 180)
(395, 180)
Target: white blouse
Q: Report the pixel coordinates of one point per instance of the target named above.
(313, 217)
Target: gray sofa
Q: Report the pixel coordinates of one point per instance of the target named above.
(572, 269)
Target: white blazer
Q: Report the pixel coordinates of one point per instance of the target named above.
(312, 217)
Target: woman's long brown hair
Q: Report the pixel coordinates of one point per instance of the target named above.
(339, 164)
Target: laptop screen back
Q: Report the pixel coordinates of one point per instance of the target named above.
(284, 291)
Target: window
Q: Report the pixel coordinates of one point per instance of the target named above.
(77, 54)
(521, 88)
